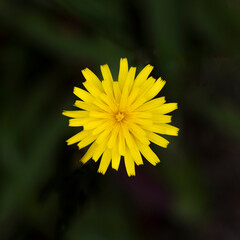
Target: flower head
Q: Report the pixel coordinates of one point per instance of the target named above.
(121, 118)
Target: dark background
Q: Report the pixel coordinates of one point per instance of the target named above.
(45, 193)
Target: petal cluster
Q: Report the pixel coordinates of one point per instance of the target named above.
(120, 118)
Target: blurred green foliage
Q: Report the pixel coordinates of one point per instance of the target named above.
(45, 192)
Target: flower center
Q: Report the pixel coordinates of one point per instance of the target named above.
(119, 116)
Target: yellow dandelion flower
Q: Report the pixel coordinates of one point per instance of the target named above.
(121, 118)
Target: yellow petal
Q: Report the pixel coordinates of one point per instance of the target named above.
(85, 106)
(91, 124)
(101, 106)
(161, 119)
(86, 141)
(103, 137)
(127, 87)
(107, 83)
(89, 153)
(133, 94)
(132, 146)
(102, 127)
(162, 142)
(139, 101)
(121, 142)
(165, 129)
(78, 122)
(143, 75)
(106, 73)
(129, 164)
(136, 128)
(148, 153)
(116, 157)
(143, 122)
(92, 78)
(146, 86)
(105, 161)
(156, 88)
(93, 89)
(155, 103)
(140, 97)
(123, 72)
(166, 108)
(142, 115)
(84, 95)
(76, 114)
(99, 150)
(98, 114)
(117, 91)
(129, 81)
(113, 136)
(78, 137)
(109, 102)
(138, 133)
(108, 89)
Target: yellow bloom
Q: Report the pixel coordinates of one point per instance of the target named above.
(120, 118)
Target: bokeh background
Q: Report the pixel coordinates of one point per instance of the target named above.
(45, 193)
